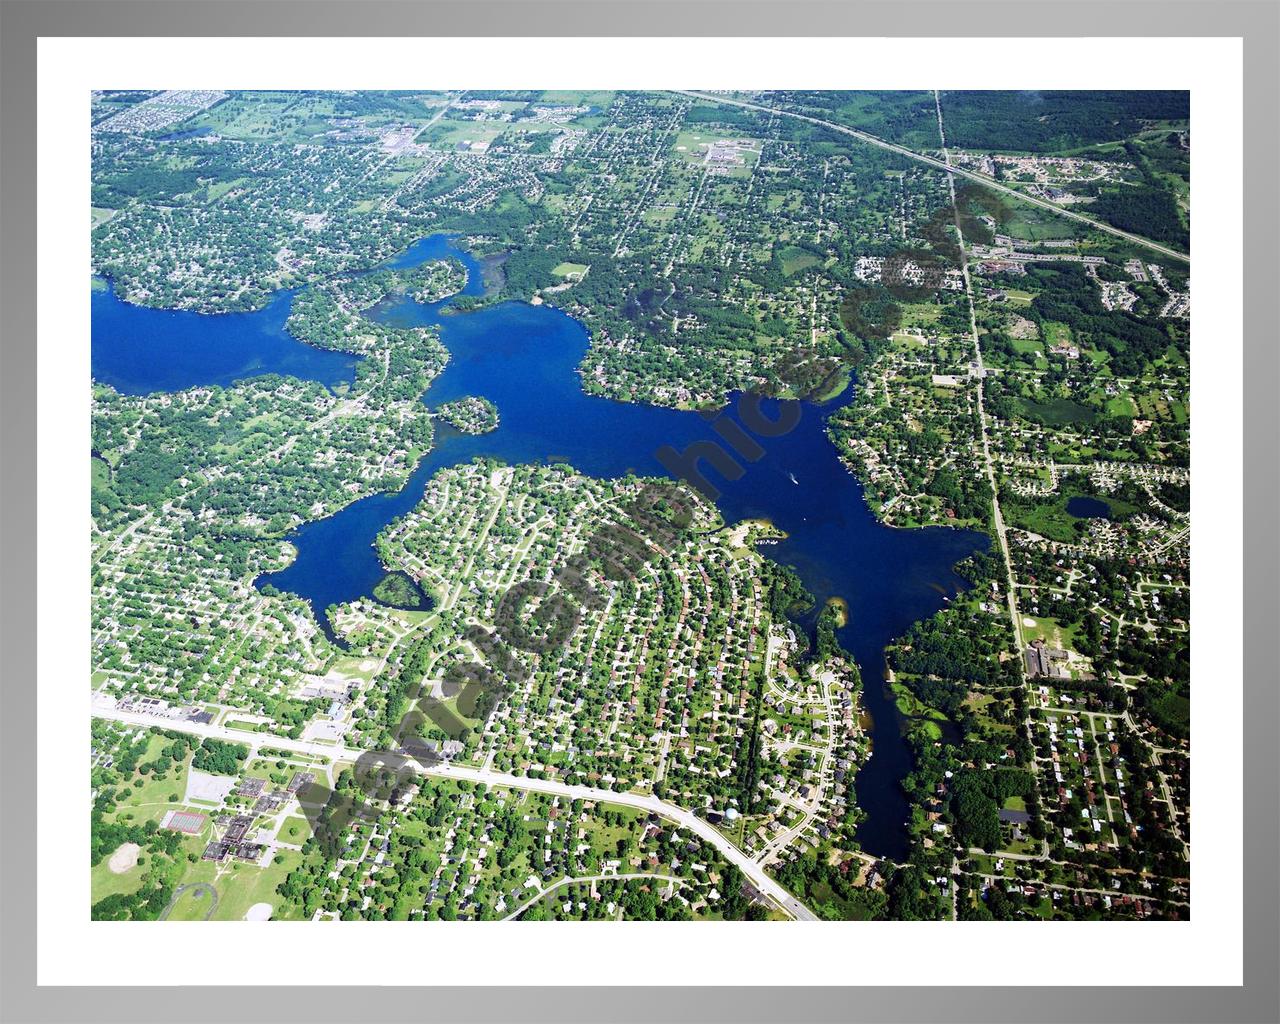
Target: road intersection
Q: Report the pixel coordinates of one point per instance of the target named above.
(104, 708)
(944, 165)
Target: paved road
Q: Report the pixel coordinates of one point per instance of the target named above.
(944, 165)
(586, 878)
(754, 872)
(984, 425)
(1113, 893)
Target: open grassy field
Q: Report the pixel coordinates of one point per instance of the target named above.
(216, 190)
(1033, 349)
(258, 116)
(1154, 406)
(151, 797)
(795, 259)
(104, 882)
(355, 668)
(446, 134)
(240, 886)
(192, 904)
(920, 314)
(657, 216)
(1056, 333)
(101, 475)
(601, 98)
(1051, 631)
(1033, 224)
(294, 830)
(1120, 405)
(1057, 412)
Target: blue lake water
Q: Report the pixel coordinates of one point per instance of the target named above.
(138, 350)
(524, 359)
(1088, 508)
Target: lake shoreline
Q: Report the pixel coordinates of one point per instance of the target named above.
(524, 359)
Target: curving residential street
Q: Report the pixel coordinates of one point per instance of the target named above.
(753, 871)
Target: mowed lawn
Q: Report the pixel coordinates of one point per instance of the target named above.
(104, 882)
(152, 797)
(294, 830)
(795, 259)
(240, 886)
(192, 904)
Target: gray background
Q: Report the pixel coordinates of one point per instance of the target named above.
(1258, 22)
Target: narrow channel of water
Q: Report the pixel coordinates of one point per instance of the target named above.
(524, 358)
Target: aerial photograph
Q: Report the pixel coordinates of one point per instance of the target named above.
(618, 505)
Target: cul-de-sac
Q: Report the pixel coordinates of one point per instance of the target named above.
(591, 505)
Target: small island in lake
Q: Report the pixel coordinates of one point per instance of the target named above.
(470, 415)
(787, 402)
